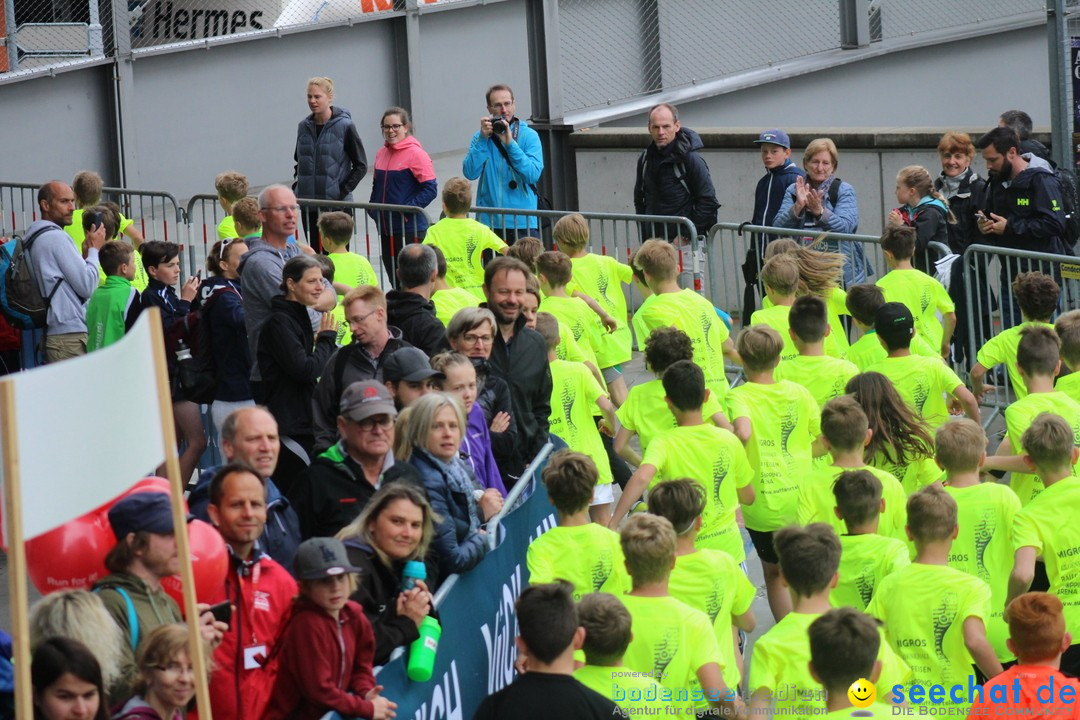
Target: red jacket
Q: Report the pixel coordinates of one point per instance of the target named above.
(323, 665)
(262, 597)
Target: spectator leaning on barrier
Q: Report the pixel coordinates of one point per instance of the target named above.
(58, 266)
(433, 435)
(506, 157)
(396, 527)
(672, 177)
(250, 436)
(373, 342)
(1023, 210)
(260, 268)
(410, 308)
(259, 589)
(519, 357)
(338, 484)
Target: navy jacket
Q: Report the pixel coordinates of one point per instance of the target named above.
(457, 550)
(769, 193)
(329, 163)
(1035, 210)
(675, 181)
(228, 336)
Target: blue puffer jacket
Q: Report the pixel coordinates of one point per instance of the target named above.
(484, 161)
(456, 549)
(404, 175)
(330, 163)
(280, 536)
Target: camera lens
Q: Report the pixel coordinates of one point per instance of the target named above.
(498, 125)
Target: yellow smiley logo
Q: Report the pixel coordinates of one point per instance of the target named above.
(862, 693)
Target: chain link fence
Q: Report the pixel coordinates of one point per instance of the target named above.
(43, 33)
(615, 50)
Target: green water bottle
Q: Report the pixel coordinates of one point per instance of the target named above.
(422, 651)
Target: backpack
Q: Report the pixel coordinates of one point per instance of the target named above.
(200, 375)
(1070, 195)
(132, 616)
(21, 301)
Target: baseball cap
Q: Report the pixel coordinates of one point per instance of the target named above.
(776, 137)
(144, 511)
(365, 399)
(409, 364)
(321, 557)
(894, 324)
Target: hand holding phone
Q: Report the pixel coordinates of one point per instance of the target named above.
(222, 612)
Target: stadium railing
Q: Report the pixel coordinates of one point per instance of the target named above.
(988, 276)
(203, 213)
(476, 650)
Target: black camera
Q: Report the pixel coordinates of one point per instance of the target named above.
(498, 125)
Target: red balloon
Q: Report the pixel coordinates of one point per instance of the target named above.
(70, 556)
(209, 564)
(148, 484)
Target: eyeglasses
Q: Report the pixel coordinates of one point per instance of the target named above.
(395, 127)
(383, 422)
(175, 669)
(477, 339)
(283, 208)
(361, 318)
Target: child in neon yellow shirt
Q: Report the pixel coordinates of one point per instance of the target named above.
(1047, 527)
(844, 644)
(607, 635)
(935, 616)
(820, 274)
(245, 215)
(1067, 328)
(1038, 358)
(350, 269)
(780, 276)
(575, 396)
(87, 188)
(672, 642)
(845, 432)
(698, 450)
(569, 349)
(645, 413)
(923, 295)
(554, 272)
(923, 382)
(780, 424)
(863, 302)
(671, 305)
(601, 277)
(866, 556)
(823, 375)
(448, 300)
(462, 239)
(230, 187)
(584, 553)
(779, 663)
(985, 513)
(706, 580)
(1037, 295)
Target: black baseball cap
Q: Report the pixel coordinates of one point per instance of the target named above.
(894, 324)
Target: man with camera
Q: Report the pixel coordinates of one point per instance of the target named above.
(506, 157)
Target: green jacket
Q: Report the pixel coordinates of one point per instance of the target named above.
(152, 607)
(113, 309)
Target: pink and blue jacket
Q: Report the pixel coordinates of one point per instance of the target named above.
(404, 175)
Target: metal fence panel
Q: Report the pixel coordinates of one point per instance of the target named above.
(36, 34)
(902, 18)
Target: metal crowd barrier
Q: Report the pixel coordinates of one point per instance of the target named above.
(203, 213)
(156, 213)
(988, 274)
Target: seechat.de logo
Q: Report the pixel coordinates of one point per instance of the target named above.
(862, 694)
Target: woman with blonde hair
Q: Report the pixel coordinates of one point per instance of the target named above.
(396, 527)
(820, 273)
(80, 615)
(825, 203)
(432, 443)
(165, 679)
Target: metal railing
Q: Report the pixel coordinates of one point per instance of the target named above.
(203, 213)
(988, 274)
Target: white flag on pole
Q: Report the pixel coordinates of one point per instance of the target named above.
(87, 429)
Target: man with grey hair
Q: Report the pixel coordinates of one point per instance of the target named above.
(410, 308)
(261, 266)
(1022, 125)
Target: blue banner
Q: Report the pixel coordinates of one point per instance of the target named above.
(476, 651)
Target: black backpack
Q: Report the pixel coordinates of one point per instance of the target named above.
(200, 375)
(21, 301)
(1070, 195)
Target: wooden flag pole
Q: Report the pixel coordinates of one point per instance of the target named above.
(20, 616)
(183, 546)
